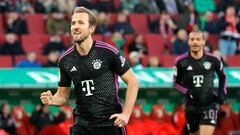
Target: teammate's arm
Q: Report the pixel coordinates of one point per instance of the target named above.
(222, 91)
(177, 79)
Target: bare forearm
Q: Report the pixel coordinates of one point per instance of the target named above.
(59, 100)
(131, 96)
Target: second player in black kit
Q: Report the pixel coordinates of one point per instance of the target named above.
(194, 77)
(93, 67)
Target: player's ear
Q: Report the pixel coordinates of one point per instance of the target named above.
(92, 29)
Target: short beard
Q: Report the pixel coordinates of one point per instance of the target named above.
(80, 41)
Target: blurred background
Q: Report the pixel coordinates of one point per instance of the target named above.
(149, 33)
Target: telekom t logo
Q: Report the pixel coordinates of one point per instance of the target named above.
(88, 86)
(198, 79)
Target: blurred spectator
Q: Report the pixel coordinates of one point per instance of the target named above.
(218, 54)
(122, 25)
(127, 6)
(138, 45)
(187, 19)
(105, 6)
(24, 6)
(173, 7)
(55, 44)
(39, 6)
(146, 6)
(50, 5)
(86, 3)
(30, 62)
(66, 6)
(53, 57)
(223, 4)
(202, 7)
(180, 45)
(6, 6)
(207, 23)
(118, 41)
(154, 62)
(102, 24)
(41, 117)
(208, 46)
(6, 120)
(134, 60)
(163, 25)
(16, 24)
(57, 24)
(11, 46)
(230, 28)
(178, 118)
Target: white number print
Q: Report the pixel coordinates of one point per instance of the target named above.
(88, 86)
(198, 80)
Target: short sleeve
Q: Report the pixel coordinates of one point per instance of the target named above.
(119, 64)
(63, 78)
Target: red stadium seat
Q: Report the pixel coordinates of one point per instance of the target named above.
(34, 43)
(19, 58)
(139, 23)
(3, 38)
(1, 23)
(6, 61)
(36, 23)
(129, 39)
(42, 59)
(213, 40)
(112, 18)
(233, 60)
(98, 37)
(145, 61)
(168, 60)
(67, 40)
(155, 44)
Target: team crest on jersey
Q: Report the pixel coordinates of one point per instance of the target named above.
(207, 65)
(97, 64)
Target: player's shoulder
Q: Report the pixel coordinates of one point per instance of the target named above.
(212, 57)
(181, 57)
(66, 53)
(106, 47)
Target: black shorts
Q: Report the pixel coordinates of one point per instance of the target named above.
(84, 130)
(201, 116)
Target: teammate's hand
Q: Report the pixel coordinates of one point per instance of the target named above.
(219, 96)
(47, 98)
(121, 119)
(189, 94)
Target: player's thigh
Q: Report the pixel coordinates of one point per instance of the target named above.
(206, 129)
(78, 130)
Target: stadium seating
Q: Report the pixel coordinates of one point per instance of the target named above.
(152, 17)
(167, 60)
(112, 18)
(155, 44)
(36, 23)
(34, 43)
(139, 23)
(213, 40)
(6, 61)
(1, 23)
(233, 60)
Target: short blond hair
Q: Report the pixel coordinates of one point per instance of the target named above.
(92, 17)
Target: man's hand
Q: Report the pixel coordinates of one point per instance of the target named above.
(47, 98)
(219, 96)
(121, 119)
(189, 94)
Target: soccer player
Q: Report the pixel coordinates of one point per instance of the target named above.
(93, 67)
(194, 77)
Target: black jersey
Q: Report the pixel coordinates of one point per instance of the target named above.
(95, 79)
(196, 76)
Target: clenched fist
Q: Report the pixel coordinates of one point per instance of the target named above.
(47, 98)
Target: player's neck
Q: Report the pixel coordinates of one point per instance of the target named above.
(197, 55)
(85, 46)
